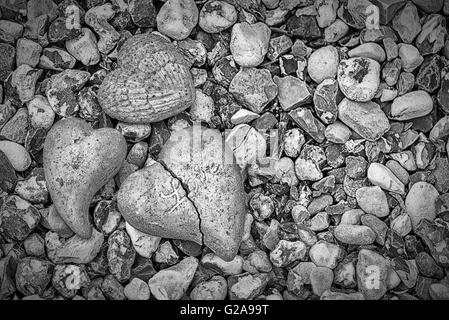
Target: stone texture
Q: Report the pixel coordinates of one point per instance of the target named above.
(365, 118)
(420, 202)
(358, 78)
(253, 88)
(293, 92)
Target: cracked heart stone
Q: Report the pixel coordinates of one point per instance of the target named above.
(78, 161)
(195, 193)
(151, 83)
(154, 202)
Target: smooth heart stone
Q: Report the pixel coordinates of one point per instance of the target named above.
(78, 161)
(197, 194)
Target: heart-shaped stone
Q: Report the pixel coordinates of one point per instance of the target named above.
(78, 161)
(195, 193)
(152, 81)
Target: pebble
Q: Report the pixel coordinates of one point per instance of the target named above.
(337, 132)
(372, 273)
(373, 201)
(172, 283)
(381, 176)
(137, 289)
(405, 83)
(427, 266)
(10, 31)
(293, 142)
(246, 286)
(329, 295)
(243, 116)
(306, 121)
(354, 234)
(323, 64)
(443, 93)
(112, 289)
(216, 288)
(391, 48)
(40, 113)
(411, 105)
(24, 80)
(435, 236)
(33, 275)
(390, 73)
(406, 23)
(439, 291)
(60, 31)
(369, 50)
(214, 262)
(336, 31)
(97, 18)
(406, 159)
(325, 254)
(7, 62)
(203, 107)
(106, 216)
(279, 46)
(56, 59)
(34, 245)
(420, 202)
(74, 250)
(429, 6)
(17, 155)
(51, 220)
(33, 188)
(410, 57)
(247, 144)
(8, 267)
(356, 167)
(217, 16)
(352, 216)
(303, 27)
(308, 164)
(27, 52)
(401, 225)
(121, 255)
(69, 278)
(358, 78)
(325, 100)
(61, 91)
(366, 118)
(249, 43)
(143, 13)
(165, 255)
(134, 132)
(326, 12)
(177, 18)
(253, 88)
(432, 36)
(16, 128)
(144, 244)
(299, 276)
(36, 28)
(321, 279)
(287, 252)
(262, 206)
(257, 262)
(398, 171)
(429, 74)
(84, 48)
(319, 222)
(292, 92)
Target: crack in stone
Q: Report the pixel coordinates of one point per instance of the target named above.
(187, 191)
